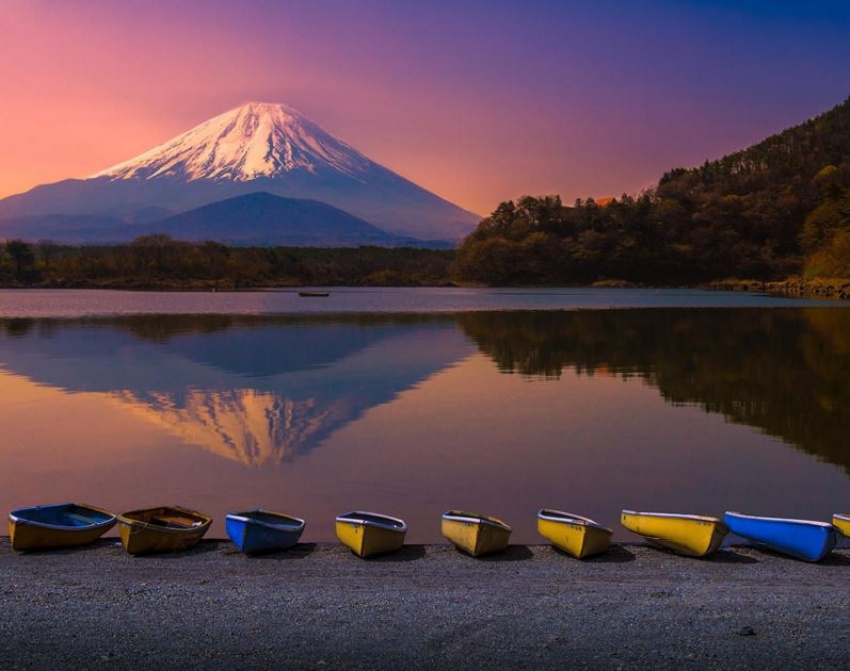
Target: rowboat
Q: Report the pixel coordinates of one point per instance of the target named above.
(314, 294)
(475, 534)
(579, 536)
(163, 529)
(370, 534)
(689, 535)
(57, 525)
(842, 522)
(808, 540)
(257, 531)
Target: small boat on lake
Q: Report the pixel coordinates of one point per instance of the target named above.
(475, 534)
(260, 531)
(808, 540)
(842, 522)
(314, 294)
(59, 525)
(370, 534)
(579, 536)
(162, 529)
(689, 535)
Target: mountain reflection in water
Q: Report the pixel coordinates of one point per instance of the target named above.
(508, 410)
(252, 389)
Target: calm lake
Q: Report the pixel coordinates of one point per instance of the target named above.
(413, 401)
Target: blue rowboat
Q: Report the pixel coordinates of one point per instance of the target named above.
(259, 531)
(802, 539)
(59, 525)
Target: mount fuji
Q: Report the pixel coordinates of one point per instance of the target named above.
(258, 147)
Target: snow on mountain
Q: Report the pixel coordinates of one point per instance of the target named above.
(258, 147)
(251, 141)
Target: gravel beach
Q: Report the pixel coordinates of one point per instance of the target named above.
(427, 607)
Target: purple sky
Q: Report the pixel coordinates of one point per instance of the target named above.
(479, 101)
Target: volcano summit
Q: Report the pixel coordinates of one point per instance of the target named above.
(253, 141)
(258, 147)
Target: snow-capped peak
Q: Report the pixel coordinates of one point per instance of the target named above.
(248, 142)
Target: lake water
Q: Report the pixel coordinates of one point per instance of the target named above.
(411, 402)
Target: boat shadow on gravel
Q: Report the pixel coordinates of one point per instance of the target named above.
(204, 547)
(511, 553)
(299, 551)
(615, 554)
(832, 559)
(836, 559)
(406, 553)
(729, 556)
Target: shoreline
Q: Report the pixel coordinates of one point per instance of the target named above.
(317, 606)
(793, 287)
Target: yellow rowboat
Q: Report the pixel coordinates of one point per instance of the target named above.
(842, 521)
(370, 534)
(579, 536)
(58, 525)
(163, 529)
(475, 534)
(691, 535)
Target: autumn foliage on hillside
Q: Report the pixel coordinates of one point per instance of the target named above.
(780, 207)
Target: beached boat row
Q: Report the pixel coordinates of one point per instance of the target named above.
(367, 534)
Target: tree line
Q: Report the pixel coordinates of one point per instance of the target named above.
(159, 261)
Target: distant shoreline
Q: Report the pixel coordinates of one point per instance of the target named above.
(838, 289)
(835, 289)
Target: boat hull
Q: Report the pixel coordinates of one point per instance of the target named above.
(689, 535)
(57, 526)
(841, 522)
(370, 534)
(476, 535)
(577, 536)
(808, 540)
(263, 531)
(163, 529)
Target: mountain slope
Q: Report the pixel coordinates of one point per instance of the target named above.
(264, 219)
(255, 147)
(794, 156)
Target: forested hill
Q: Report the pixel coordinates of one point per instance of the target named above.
(790, 159)
(778, 208)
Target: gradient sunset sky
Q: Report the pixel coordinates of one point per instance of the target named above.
(479, 101)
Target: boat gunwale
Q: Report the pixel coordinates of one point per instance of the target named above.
(204, 521)
(242, 516)
(677, 516)
(109, 522)
(844, 517)
(463, 516)
(570, 518)
(785, 520)
(393, 523)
